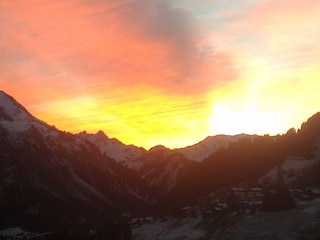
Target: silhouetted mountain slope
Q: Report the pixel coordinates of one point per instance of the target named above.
(162, 168)
(246, 159)
(307, 134)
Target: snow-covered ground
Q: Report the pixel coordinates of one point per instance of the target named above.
(170, 229)
(303, 222)
(300, 223)
(11, 232)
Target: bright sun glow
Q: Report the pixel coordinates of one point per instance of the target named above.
(226, 120)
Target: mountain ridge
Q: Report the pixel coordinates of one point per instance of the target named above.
(203, 149)
(54, 178)
(196, 152)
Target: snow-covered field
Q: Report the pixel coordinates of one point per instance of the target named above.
(170, 229)
(303, 222)
(300, 223)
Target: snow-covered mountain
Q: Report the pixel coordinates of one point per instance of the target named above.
(44, 168)
(14, 117)
(133, 157)
(150, 173)
(210, 145)
(159, 167)
(127, 155)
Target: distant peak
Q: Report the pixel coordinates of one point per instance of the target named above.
(157, 148)
(101, 133)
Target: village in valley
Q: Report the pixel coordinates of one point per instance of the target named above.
(226, 206)
(248, 197)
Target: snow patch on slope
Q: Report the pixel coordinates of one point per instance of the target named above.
(291, 164)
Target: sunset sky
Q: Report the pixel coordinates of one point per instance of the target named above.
(165, 72)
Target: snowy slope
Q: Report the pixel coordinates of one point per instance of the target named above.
(16, 120)
(187, 229)
(293, 166)
(127, 155)
(203, 149)
(15, 117)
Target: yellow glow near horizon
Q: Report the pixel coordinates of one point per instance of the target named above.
(145, 117)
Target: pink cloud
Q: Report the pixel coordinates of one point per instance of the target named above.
(107, 43)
